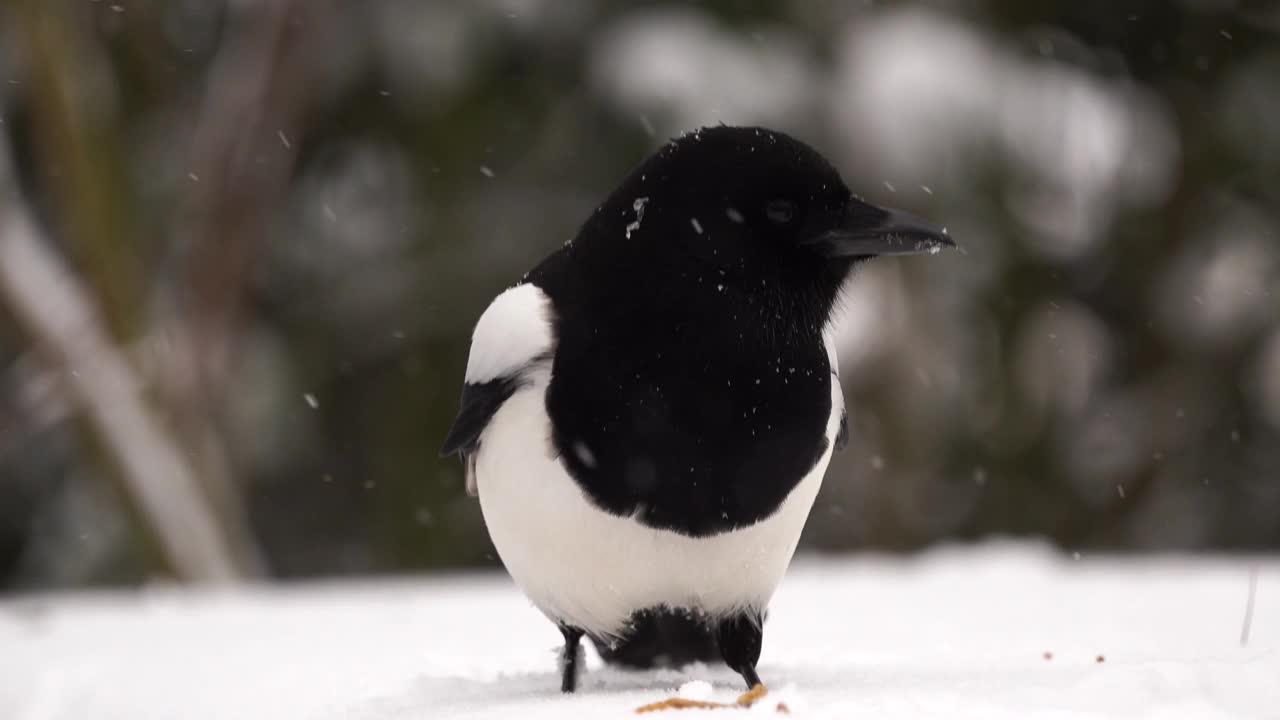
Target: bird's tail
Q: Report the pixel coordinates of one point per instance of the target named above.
(662, 638)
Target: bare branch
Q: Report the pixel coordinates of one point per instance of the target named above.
(50, 303)
(256, 92)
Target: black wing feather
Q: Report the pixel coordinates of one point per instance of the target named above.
(479, 402)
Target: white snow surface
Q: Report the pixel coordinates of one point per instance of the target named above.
(955, 633)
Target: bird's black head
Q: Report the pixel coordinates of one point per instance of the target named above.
(750, 212)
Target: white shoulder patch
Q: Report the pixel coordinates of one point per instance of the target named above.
(515, 329)
(837, 392)
(829, 342)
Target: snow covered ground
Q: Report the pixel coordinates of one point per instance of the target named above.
(988, 632)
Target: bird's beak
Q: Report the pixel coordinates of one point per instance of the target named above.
(870, 230)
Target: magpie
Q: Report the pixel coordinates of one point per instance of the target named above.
(647, 414)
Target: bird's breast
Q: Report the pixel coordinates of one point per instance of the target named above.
(688, 437)
(593, 568)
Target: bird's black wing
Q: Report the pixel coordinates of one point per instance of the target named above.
(479, 403)
(513, 335)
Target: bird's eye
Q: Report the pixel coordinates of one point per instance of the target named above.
(780, 212)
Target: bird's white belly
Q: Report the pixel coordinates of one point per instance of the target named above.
(588, 568)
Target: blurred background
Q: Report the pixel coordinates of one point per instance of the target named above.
(243, 244)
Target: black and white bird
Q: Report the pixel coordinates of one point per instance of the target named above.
(648, 414)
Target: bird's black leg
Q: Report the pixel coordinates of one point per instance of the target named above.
(740, 637)
(570, 658)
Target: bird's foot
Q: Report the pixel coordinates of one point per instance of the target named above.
(746, 700)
